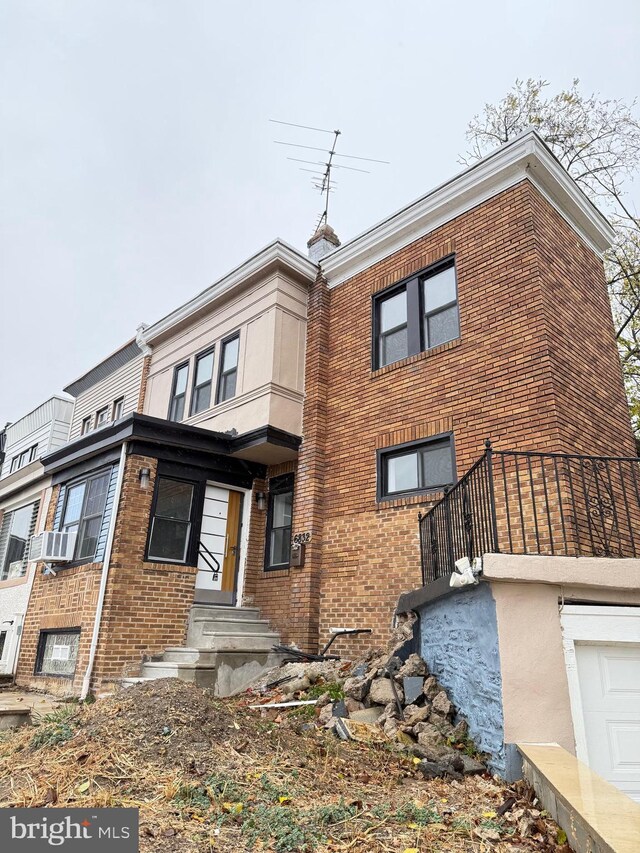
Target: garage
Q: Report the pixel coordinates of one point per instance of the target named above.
(602, 654)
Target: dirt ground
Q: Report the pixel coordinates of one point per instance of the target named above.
(214, 775)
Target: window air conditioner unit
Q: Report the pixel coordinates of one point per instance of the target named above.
(53, 546)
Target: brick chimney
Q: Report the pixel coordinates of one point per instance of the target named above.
(325, 240)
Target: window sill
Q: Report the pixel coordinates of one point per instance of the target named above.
(413, 359)
(278, 571)
(427, 498)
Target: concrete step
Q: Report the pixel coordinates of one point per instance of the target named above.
(219, 611)
(223, 641)
(206, 657)
(224, 672)
(234, 626)
(198, 630)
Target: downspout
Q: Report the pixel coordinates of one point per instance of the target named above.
(86, 681)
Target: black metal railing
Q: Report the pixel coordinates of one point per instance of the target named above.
(209, 560)
(524, 502)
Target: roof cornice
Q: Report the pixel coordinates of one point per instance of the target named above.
(276, 253)
(526, 157)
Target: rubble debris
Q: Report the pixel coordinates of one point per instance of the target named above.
(387, 696)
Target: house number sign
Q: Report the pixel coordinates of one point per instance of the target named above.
(302, 538)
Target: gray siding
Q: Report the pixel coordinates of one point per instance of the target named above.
(124, 382)
(47, 426)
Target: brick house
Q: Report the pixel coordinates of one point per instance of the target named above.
(326, 402)
(162, 488)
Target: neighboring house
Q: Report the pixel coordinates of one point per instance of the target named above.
(168, 505)
(479, 311)
(23, 494)
(109, 391)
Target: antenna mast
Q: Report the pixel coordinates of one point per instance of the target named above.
(322, 180)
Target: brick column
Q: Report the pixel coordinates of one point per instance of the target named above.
(308, 515)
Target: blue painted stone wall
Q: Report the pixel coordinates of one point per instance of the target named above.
(459, 642)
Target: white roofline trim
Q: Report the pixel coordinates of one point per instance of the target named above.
(278, 250)
(526, 157)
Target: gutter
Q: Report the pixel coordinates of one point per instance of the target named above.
(86, 681)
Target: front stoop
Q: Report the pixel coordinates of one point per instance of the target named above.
(227, 648)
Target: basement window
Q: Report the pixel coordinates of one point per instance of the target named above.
(416, 315)
(416, 468)
(58, 652)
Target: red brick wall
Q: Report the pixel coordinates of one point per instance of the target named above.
(529, 293)
(146, 604)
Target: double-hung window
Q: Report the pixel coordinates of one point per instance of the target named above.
(415, 468)
(118, 405)
(102, 416)
(416, 315)
(279, 522)
(17, 528)
(202, 380)
(171, 521)
(86, 425)
(178, 392)
(228, 369)
(23, 458)
(83, 512)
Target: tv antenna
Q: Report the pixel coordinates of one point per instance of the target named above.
(322, 179)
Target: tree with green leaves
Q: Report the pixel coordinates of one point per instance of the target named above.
(598, 142)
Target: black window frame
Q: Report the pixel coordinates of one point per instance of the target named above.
(386, 453)
(195, 520)
(413, 287)
(222, 374)
(172, 398)
(210, 351)
(277, 486)
(42, 639)
(86, 478)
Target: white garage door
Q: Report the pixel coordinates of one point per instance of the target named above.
(606, 691)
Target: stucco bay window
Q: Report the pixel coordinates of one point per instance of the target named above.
(171, 521)
(416, 315)
(416, 468)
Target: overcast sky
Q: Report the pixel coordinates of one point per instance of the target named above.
(137, 162)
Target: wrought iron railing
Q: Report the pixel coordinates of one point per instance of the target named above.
(524, 502)
(209, 559)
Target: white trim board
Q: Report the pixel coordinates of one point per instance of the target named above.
(524, 158)
(592, 624)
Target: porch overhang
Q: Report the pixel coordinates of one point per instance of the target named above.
(245, 455)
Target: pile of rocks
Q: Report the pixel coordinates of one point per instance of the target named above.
(389, 695)
(409, 706)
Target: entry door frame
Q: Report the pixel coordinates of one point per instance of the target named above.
(245, 517)
(591, 624)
